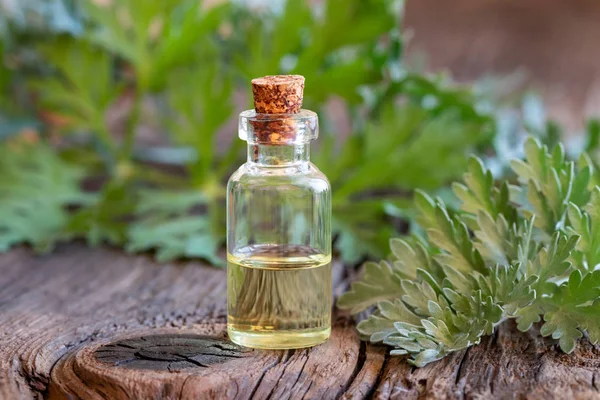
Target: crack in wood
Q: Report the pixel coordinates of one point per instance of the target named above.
(264, 372)
(380, 377)
(286, 364)
(181, 391)
(305, 356)
(460, 365)
(307, 390)
(170, 352)
(360, 363)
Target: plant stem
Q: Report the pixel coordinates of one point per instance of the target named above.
(161, 177)
(103, 135)
(132, 123)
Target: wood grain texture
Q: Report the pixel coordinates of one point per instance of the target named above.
(98, 324)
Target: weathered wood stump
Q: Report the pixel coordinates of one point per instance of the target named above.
(98, 324)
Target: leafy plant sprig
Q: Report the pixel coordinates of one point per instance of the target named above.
(186, 58)
(329, 48)
(397, 139)
(131, 50)
(526, 251)
(36, 189)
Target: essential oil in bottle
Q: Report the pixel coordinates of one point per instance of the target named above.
(279, 291)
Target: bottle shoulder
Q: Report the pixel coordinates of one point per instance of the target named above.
(304, 175)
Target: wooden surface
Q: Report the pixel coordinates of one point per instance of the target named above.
(98, 324)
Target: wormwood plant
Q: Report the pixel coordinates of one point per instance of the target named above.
(176, 67)
(134, 50)
(332, 49)
(36, 188)
(527, 251)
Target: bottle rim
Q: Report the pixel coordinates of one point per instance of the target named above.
(278, 129)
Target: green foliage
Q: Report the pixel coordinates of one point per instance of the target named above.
(5, 82)
(362, 228)
(105, 220)
(200, 103)
(525, 251)
(398, 138)
(154, 37)
(331, 50)
(415, 132)
(12, 118)
(165, 221)
(574, 307)
(159, 43)
(72, 93)
(189, 61)
(36, 188)
(5, 75)
(380, 282)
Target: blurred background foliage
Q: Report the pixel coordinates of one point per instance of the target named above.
(117, 119)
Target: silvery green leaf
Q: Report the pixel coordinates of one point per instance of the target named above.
(379, 282)
(427, 356)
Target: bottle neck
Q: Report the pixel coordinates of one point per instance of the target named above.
(269, 155)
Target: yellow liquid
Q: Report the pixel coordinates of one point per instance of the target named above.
(279, 297)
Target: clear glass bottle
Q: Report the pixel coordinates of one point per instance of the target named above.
(279, 290)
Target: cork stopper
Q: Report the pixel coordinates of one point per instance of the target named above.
(275, 98)
(278, 94)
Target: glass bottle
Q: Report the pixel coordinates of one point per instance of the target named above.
(279, 290)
